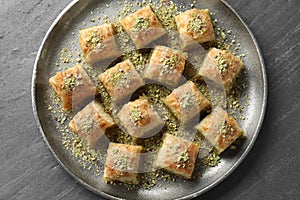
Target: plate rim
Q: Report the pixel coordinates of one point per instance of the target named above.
(34, 105)
(195, 194)
(261, 117)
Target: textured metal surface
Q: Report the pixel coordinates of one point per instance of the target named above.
(70, 20)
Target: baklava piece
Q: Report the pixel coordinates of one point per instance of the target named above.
(194, 26)
(165, 66)
(186, 102)
(73, 86)
(220, 129)
(139, 119)
(143, 27)
(99, 43)
(122, 163)
(121, 81)
(221, 68)
(91, 122)
(177, 156)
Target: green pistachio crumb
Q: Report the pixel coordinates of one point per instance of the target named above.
(140, 24)
(122, 163)
(197, 24)
(222, 65)
(169, 64)
(212, 160)
(136, 114)
(95, 40)
(187, 101)
(69, 83)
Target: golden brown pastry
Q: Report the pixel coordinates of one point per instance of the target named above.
(220, 129)
(73, 86)
(194, 26)
(91, 122)
(139, 119)
(186, 102)
(122, 163)
(166, 66)
(143, 27)
(99, 43)
(221, 68)
(177, 156)
(121, 81)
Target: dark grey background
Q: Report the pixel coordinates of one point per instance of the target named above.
(270, 171)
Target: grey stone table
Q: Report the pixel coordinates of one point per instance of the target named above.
(271, 170)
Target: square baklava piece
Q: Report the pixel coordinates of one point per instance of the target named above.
(122, 163)
(99, 43)
(91, 122)
(194, 26)
(73, 86)
(121, 81)
(165, 66)
(219, 129)
(177, 156)
(186, 102)
(139, 119)
(220, 68)
(143, 27)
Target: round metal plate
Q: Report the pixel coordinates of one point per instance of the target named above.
(59, 36)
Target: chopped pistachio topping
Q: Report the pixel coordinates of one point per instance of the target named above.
(69, 83)
(95, 40)
(182, 159)
(116, 77)
(222, 65)
(211, 160)
(197, 25)
(169, 64)
(123, 39)
(186, 100)
(87, 158)
(226, 128)
(119, 78)
(122, 163)
(138, 59)
(141, 24)
(166, 12)
(136, 114)
(87, 125)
